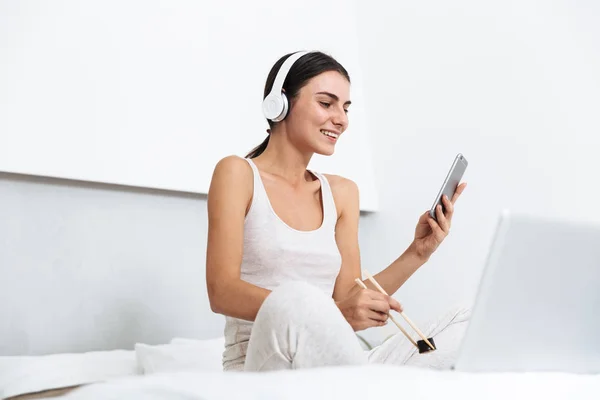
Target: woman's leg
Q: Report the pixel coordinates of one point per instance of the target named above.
(447, 331)
(299, 326)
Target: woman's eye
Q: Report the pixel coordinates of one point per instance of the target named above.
(324, 104)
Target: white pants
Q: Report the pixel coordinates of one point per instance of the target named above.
(298, 326)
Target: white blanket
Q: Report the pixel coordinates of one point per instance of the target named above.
(365, 382)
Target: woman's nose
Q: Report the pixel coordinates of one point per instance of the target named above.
(340, 119)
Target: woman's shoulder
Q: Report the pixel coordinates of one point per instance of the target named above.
(233, 170)
(341, 184)
(229, 195)
(344, 191)
(233, 164)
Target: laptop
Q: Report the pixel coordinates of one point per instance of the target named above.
(538, 303)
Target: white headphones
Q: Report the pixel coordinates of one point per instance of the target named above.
(275, 105)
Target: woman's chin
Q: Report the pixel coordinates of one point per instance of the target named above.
(325, 148)
(326, 151)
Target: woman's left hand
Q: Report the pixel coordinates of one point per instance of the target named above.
(430, 233)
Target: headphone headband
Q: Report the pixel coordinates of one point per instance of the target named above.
(283, 71)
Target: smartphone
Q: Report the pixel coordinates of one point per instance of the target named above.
(450, 183)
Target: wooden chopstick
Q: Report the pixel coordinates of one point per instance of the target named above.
(362, 285)
(374, 282)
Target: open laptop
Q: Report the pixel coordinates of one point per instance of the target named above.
(538, 304)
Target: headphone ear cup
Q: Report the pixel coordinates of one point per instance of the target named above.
(284, 109)
(273, 106)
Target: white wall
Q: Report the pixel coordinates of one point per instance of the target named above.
(515, 86)
(152, 93)
(87, 266)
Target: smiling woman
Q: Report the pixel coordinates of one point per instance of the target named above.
(283, 240)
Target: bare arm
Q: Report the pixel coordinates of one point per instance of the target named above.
(361, 308)
(391, 278)
(346, 237)
(229, 195)
(398, 272)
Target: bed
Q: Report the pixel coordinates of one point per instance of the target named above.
(373, 381)
(191, 369)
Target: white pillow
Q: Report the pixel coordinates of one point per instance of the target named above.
(29, 374)
(180, 355)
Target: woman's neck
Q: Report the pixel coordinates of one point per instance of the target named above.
(283, 159)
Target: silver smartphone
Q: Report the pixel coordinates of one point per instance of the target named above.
(451, 183)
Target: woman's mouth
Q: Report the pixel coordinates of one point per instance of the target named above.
(330, 135)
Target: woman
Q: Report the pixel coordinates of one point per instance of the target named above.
(282, 253)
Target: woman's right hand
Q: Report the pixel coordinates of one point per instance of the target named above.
(367, 308)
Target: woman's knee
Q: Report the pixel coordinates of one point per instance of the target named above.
(296, 298)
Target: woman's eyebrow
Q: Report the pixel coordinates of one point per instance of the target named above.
(333, 96)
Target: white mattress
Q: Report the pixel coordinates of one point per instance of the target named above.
(366, 382)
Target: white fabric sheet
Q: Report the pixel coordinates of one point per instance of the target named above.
(181, 354)
(359, 382)
(30, 374)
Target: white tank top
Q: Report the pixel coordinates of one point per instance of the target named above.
(275, 253)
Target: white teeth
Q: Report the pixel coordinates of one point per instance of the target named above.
(330, 134)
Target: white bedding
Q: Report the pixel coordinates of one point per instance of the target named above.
(29, 374)
(366, 382)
